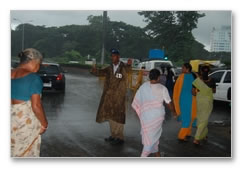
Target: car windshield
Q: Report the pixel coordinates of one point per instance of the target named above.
(48, 69)
(217, 76)
(161, 64)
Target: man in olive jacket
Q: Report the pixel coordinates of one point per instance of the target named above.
(112, 104)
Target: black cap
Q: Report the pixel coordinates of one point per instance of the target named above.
(115, 51)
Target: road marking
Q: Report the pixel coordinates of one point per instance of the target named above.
(217, 145)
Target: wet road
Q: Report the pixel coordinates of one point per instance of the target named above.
(73, 132)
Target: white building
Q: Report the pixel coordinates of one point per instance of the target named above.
(220, 40)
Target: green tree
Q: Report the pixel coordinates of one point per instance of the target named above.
(73, 55)
(224, 57)
(165, 29)
(173, 31)
(69, 45)
(70, 56)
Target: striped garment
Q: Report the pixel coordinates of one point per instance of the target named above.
(148, 104)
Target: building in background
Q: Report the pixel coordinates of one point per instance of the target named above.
(220, 40)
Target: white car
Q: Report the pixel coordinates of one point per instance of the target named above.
(151, 64)
(222, 79)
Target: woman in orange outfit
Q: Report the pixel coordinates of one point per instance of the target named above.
(184, 101)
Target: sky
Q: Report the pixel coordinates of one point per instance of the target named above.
(79, 17)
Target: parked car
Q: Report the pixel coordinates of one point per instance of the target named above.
(222, 79)
(52, 76)
(151, 64)
(154, 64)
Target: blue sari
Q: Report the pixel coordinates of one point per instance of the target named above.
(186, 100)
(185, 103)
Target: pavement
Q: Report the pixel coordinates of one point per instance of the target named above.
(73, 132)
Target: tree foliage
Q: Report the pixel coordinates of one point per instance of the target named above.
(172, 30)
(166, 29)
(53, 42)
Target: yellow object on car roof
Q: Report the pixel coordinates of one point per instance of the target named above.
(195, 63)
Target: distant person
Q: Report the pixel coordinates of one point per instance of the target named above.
(129, 62)
(185, 102)
(139, 81)
(170, 80)
(205, 87)
(112, 104)
(162, 77)
(129, 73)
(28, 120)
(148, 103)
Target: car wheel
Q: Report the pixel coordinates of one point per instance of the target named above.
(229, 94)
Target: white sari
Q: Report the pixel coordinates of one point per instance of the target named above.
(148, 104)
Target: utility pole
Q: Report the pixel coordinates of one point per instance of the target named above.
(103, 37)
(22, 30)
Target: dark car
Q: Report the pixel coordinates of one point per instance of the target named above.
(52, 76)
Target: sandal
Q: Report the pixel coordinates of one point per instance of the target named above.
(196, 142)
(183, 140)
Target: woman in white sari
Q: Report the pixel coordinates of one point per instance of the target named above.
(28, 120)
(148, 104)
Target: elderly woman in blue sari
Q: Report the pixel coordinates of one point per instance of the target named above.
(184, 101)
(205, 87)
(148, 104)
(28, 120)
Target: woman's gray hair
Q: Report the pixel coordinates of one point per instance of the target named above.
(30, 54)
